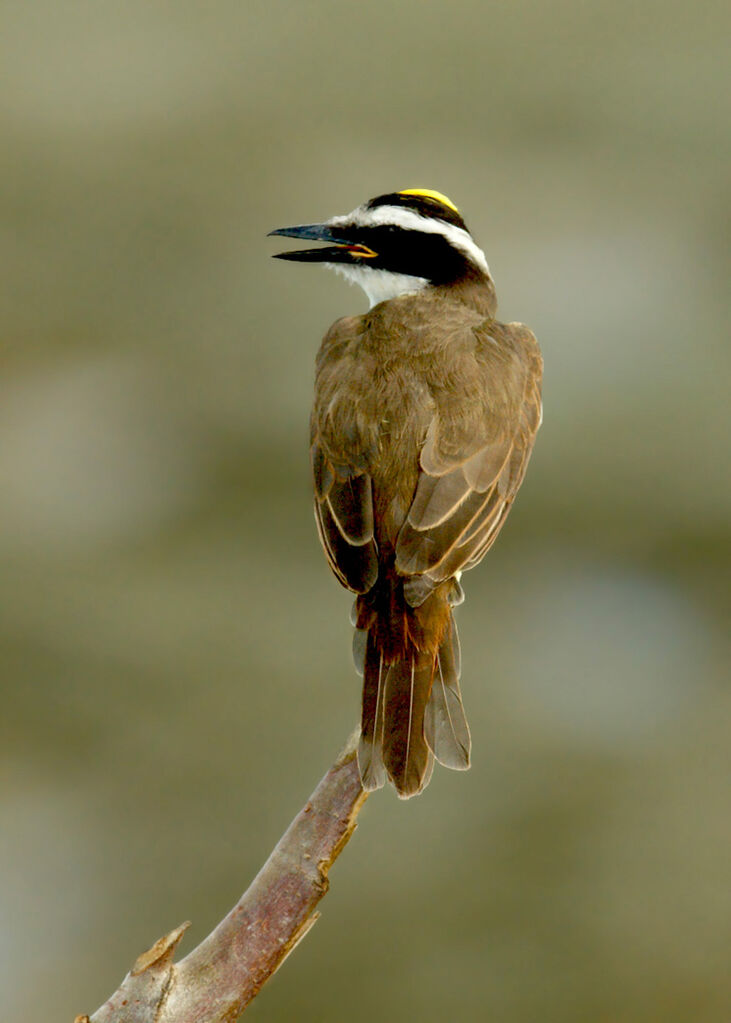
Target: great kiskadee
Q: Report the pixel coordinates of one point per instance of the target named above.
(426, 410)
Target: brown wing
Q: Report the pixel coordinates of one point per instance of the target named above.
(473, 462)
(343, 487)
(344, 516)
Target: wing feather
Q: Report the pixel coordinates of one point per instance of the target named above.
(419, 550)
(472, 465)
(350, 502)
(344, 516)
(437, 497)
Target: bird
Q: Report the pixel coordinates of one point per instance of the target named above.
(425, 414)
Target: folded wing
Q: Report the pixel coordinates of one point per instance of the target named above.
(344, 516)
(469, 479)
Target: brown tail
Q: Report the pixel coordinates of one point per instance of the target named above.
(412, 706)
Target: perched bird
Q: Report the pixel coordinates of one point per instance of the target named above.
(426, 409)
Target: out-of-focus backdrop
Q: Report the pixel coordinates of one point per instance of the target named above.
(175, 655)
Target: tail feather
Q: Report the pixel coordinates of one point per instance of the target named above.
(370, 748)
(405, 753)
(360, 647)
(445, 725)
(412, 708)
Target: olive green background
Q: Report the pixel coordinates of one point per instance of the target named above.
(174, 653)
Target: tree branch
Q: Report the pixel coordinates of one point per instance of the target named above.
(216, 981)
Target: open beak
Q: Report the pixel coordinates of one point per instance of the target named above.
(340, 250)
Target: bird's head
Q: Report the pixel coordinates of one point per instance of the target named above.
(394, 244)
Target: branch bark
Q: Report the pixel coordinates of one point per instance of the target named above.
(216, 981)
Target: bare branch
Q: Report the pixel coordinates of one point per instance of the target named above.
(218, 979)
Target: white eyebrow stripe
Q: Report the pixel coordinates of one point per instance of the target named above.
(410, 220)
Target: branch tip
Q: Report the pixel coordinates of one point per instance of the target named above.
(218, 979)
(350, 749)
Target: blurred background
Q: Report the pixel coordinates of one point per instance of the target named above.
(175, 655)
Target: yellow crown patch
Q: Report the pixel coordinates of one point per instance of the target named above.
(429, 193)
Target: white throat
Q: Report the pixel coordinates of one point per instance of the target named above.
(379, 285)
